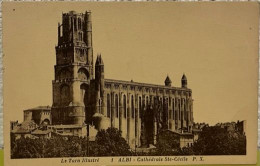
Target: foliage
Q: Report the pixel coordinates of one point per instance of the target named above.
(218, 141)
(212, 141)
(167, 143)
(111, 143)
(108, 143)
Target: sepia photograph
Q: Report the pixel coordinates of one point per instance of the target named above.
(130, 83)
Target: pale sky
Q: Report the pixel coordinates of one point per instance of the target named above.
(215, 45)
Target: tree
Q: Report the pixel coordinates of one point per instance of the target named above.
(168, 143)
(110, 143)
(218, 141)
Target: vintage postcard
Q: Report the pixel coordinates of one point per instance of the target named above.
(122, 83)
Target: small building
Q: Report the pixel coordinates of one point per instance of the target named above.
(41, 115)
(183, 139)
(24, 129)
(39, 133)
(73, 130)
(186, 139)
(196, 132)
(13, 124)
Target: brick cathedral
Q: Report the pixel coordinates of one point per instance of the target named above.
(83, 97)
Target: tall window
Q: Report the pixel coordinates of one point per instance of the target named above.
(116, 102)
(132, 107)
(170, 114)
(125, 109)
(140, 107)
(108, 105)
(185, 112)
(79, 23)
(71, 22)
(173, 109)
(75, 24)
(79, 34)
(179, 104)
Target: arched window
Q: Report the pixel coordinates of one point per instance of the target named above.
(83, 74)
(108, 105)
(116, 102)
(146, 101)
(125, 109)
(132, 107)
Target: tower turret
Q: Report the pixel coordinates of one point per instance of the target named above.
(99, 84)
(99, 74)
(73, 69)
(168, 81)
(184, 82)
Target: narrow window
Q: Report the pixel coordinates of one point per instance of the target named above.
(75, 24)
(125, 109)
(132, 107)
(140, 107)
(116, 102)
(79, 23)
(108, 105)
(173, 109)
(179, 104)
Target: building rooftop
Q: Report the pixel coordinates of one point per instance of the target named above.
(66, 126)
(41, 132)
(25, 127)
(144, 84)
(39, 108)
(20, 130)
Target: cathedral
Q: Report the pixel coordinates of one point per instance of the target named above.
(83, 96)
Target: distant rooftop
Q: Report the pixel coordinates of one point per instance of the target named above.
(39, 108)
(41, 132)
(24, 127)
(67, 126)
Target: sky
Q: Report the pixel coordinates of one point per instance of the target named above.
(214, 44)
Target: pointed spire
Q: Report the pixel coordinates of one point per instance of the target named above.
(101, 60)
(184, 77)
(168, 81)
(184, 82)
(98, 59)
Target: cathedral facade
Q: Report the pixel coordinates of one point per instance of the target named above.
(83, 96)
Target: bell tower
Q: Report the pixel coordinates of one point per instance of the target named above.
(73, 69)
